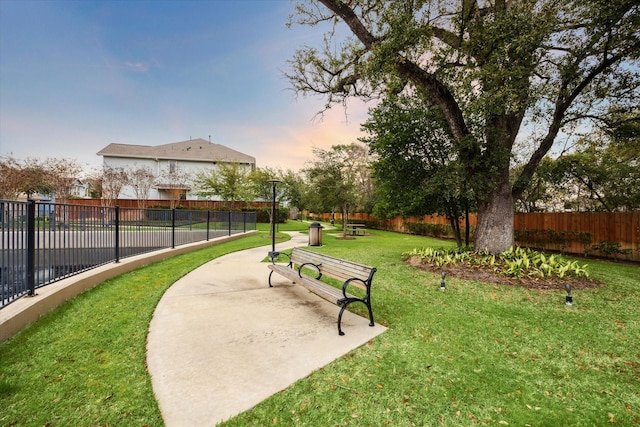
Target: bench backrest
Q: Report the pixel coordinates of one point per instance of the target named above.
(334, 267)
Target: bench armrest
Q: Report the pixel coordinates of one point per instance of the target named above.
(316, 266)
(346, 284)
(274, 255)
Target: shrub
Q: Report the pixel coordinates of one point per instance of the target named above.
(515, 262)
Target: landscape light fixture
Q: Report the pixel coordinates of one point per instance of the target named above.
(569, 298)
(442, 284)
(273, 254)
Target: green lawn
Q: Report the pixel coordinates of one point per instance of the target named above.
(476, 354)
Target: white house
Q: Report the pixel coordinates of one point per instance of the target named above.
(80, 188)
(179, 159)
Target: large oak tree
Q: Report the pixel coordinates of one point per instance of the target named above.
(495, 69)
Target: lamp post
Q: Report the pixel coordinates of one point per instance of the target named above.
(568, 298)
(273, 254)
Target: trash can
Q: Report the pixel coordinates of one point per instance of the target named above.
(315, 234)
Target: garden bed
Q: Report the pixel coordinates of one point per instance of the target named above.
(485, 274)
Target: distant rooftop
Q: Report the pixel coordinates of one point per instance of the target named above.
(192, 150)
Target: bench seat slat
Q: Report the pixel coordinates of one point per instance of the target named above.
(321, 289)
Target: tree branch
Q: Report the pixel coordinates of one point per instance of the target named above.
(561, 106)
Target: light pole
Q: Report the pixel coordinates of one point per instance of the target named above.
(273, 254)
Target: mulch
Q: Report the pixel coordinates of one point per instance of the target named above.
(486, 275)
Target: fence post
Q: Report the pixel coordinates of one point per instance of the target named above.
(173, 228)
(31, 247)
(229, 223)
(116, 225)
(208, 222)
(244, 222)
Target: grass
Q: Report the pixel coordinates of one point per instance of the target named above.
(476, 354)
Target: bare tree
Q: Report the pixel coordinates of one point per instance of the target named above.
(62, 175)
(174, 183)
(141, 179)
(10, 178)
(113, 179)
(29, 177)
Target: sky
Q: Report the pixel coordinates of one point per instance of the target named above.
(77, 75)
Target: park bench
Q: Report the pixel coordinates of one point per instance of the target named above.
(306, 268)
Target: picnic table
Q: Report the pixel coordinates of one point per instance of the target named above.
(356, 229)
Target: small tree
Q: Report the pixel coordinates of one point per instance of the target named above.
(331, 182)
(141, 179)
(229, 181)
(62, 175)
(294, 189)
(262, 188)
(113, 180)
(175, 183)
(11, 182)
(94, 178)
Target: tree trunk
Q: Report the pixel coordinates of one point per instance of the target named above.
(466, 224)
(455, 226)
(494, 231)
(345, 218)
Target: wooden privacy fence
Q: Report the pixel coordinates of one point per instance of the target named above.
(608, 234)
(604, 234)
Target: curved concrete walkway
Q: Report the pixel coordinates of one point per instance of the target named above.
(221, 340)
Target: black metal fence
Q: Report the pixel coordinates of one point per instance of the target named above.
(46, 242)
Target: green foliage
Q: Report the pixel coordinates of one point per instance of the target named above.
(416, 170)
(610, 249)
(516, 262)
(264, 215)
(428, 229)
(229, 181)
(338, 179)
(602, 173)
(542, 238)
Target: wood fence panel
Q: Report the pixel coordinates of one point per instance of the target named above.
(573, 227)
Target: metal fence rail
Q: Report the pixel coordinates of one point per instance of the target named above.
(45, 242)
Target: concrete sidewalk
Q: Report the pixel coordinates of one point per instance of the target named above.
(221, 340)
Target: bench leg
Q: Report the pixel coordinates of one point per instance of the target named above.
(370, 314)
(345, 303)
(344, 306)
(270, 274)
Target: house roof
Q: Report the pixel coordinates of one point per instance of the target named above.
(192, 150)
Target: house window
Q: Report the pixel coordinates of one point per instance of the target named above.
(172, 166)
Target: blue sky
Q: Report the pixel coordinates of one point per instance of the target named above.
(77, 75)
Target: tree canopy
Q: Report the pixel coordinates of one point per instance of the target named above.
(339, 178)
(601, 173)
(496, 71)
(51, 177)
(416, 168)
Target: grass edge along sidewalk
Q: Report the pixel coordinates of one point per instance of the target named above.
(476, 354)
